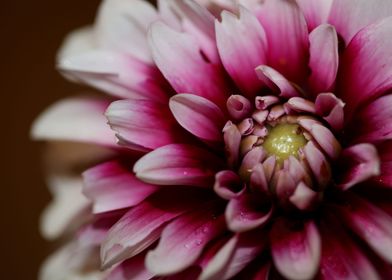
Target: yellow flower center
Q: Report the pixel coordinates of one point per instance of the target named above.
(284, 140)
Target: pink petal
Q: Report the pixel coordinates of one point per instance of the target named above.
(112, 186)
(361, 162)
(304, 198)
(178, 164)
(228, 184)
(315, 12)
(121, 26)
(67, 120)
(242, 47)
(364, 72)
(132, 268)
(142, 225)
(258, 179)
(115, 73)
(296, 249)
(77, 42)
(375, 121)
(178, 57)
(372, 224)
(250, 160)
(239, 107)
(276, 81)
(341, 258)
(198, 115)
(246, 212)
(232, 138)
(300, 104)
(350, 16)
(235, 255)
(330, 108)
(183, 240)
(287, 37)
(318, 164)
(143, 125)
(324, 58)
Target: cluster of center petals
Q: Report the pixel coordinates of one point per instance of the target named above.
(279, 148)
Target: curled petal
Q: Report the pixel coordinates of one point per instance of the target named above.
(228, 184)
(324, 58)
(361, 163)
(183, 240)
(300, 104)
(232, 137)
(198, 115)
(111, 187)
(242, 46)
(239, 107)
(316, 13)
(296, 249)
(246, 212)
(330, 108)
(276, 81)
(251, 159)
(178, 164)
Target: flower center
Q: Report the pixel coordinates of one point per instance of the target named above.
(284, 140)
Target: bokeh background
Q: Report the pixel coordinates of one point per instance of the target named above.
(31, 32)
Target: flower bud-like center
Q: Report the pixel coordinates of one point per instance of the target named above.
(284, 140)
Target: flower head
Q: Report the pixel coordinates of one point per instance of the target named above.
(246, 139)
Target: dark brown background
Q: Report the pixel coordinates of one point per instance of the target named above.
(31, 32)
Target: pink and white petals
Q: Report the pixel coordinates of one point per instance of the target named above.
(67, 120)
(178, 165)
(246, 212)
(79, 41)
(111, 186)
(232, 137)
(234, 255)
(350, 16)
(370, 223)
(287, 36)
(276, 81)
(184, 239)
(239, 107)
(318, 164)
(199, 116)
(331, 109)
(228, 184)
(304, 198)
(324, 58)
(142, 225)
(178, 57)
(361, 163)
(143, 125)
(315, 12)
(121, 26)
(132, 268)
(364, 64)
(242, 47)
(296, 249)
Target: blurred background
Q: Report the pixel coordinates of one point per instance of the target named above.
(31, 32)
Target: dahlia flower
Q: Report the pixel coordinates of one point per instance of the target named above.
(245, 139)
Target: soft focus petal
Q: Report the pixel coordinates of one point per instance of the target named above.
(287, 36)
(315, 12)
(69, 118)
(350, 16)
(330, 108)
(242, 46)
(111, 186)
(324, 58)
(296, 249)
(198, 115)
(132, 268)
(183, 240)
(78, 41)
(178, 164)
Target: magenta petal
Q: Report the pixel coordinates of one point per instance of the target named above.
(315, 12)
(143, 125)
(111, 186)
(198, 115)
(304, 198)
(178, 57)
(228, 184)
(178, 164)
(242, 47)
(318, 164)
(296, 249)
(371, 223)
(184, 239)
(238, 252)
(350, 16)
(247, 212)
(361, 162)
(283, 21)
(276, 81)
(67, 120)
(341, 258)
(330, 108)
(239, 107)
(364, 71)
(132, 268)
(142, 225)
(232, 137)
(324, 58)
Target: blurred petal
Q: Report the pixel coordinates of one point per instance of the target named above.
(315, 12)
(330, 108)
(132, 268)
